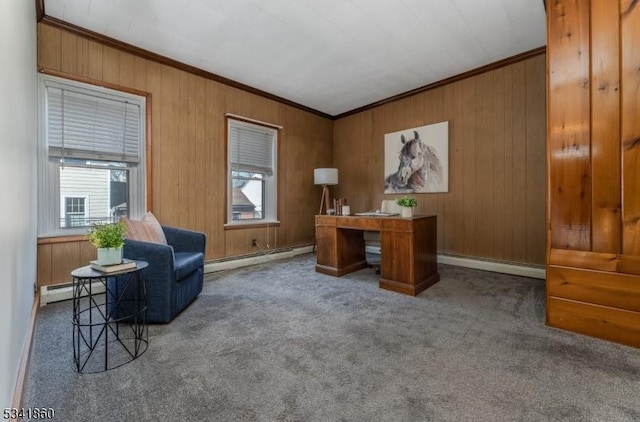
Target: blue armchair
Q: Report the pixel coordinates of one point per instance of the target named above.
(175, 274)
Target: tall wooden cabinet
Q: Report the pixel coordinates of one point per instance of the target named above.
(593, 147)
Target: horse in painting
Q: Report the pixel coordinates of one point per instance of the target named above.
(420, 169)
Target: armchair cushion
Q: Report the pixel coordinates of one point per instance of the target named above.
(187, 262)
(147, 229)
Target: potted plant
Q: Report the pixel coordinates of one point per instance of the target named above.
(407, 203)
(109, 240)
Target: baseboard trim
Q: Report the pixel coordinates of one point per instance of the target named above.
(531, 271)
(25, 361)
(212, 267)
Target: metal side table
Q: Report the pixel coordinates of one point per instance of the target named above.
(109, 325)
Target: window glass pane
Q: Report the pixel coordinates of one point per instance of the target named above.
(74, 215)
(247, 195)
(96, 192)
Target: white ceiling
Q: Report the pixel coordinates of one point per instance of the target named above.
(330, 55)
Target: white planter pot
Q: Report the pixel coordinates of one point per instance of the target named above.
(407, 212)
(109, 256)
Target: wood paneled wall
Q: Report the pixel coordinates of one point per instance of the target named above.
(495, 207)
(593, 276)
(188, 149)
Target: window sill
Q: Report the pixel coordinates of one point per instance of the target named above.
(61, 239)
(251, 225)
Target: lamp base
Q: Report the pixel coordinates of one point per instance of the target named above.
(325, 201)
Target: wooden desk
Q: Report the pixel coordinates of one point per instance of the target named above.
(408, 246)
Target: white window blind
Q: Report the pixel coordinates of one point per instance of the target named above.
(83, 125)
(251, 148)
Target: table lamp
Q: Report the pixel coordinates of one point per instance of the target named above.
(325, 177)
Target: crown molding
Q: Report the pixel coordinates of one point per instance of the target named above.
(128, 48)
(39, 10)
(473, 72)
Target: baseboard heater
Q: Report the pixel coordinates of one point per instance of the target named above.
(58, 292)
(504, 267)
(256, 258)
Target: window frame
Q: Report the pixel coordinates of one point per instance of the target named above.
(85, 206)
(270, 182)
(50, 202)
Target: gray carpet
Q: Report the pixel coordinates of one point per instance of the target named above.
(279, 342)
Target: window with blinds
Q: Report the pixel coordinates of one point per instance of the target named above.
(92, 147)
(85, 125)
(252, 172)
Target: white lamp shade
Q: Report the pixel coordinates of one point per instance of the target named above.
(325, 176)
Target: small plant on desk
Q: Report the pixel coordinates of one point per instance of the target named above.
(407, 201)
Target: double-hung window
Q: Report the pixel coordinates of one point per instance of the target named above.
(91, 156)
(252, 172)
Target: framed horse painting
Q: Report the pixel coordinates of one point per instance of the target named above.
(417, 160)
